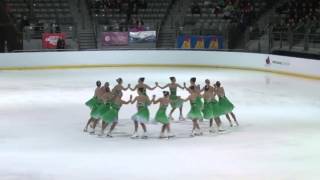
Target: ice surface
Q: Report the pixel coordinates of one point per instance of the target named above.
(42, 116)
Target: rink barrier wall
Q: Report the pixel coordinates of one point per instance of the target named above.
(299, 67)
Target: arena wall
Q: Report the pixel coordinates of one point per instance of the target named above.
(161, 58)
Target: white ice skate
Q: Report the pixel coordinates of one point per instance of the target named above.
(193, 134)
(144, 135)
(109, 134)
(212, 130)
(181, 118)
(220, 129)
(198, 132)
(134, 135)
(162, 136)
(171, 135)
(92, 132)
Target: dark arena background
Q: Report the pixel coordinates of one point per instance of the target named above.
(82, 81)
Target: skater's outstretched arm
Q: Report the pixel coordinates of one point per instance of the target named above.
(128, 87)
(127, 102)
(179, 86)
(167, 85)
(133, 89)
(150, 88)
(134, 100)
(154, 101)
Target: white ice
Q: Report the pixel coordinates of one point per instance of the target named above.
(42, 115)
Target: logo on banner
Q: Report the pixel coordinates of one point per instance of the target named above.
(49, 40)
(200, 43)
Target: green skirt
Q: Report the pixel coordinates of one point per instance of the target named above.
(195, 112)
(92, 102)
(176, 102)
(226, 105)
(95, 109)
(216, 109)
(199, 102)
(161, 116)
(207, 110)
(142, 116)
(110, 116)
(102, 109)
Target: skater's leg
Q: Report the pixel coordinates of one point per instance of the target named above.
(171, 112)
(181, 118)
(104, 126)
(143, 127)
(112, 128)
(234, 118)
(87, 125)
(229, 119)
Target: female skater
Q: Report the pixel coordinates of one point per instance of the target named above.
(112, 116)
(143, 86)
(195, 112)
(176, 101)
(196, 90)
(142, 116)
(161, 115)
(225, 104)
(117, 89)
(211, 110)
(93, 104)
(104, 107)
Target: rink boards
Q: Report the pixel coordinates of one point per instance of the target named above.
(306, 68)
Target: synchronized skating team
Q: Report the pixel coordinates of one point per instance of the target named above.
(106, 103)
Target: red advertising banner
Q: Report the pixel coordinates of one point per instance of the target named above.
(49, 40)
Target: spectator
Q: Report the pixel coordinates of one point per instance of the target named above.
(61, 43)
(24, 22)
(195, 8)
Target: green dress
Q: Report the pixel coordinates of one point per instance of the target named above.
(176, 102)
(112, 114)
(95, 108)
(102, 109)
(161, 115)
(199, 102)
(225, 104)
(91, 102)
(143, 114)
(207, 109)
(195, 111)
(217, 110)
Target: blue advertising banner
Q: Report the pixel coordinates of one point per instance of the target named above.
(200, 42)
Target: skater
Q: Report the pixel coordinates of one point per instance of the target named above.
(112, 116)
(93, 104)
(195, 112)
(104, 107)
(196, 90)
(225, 104)
(142, 116)
(142, 85)
(161, 115)
(176, 101)
(117, 89)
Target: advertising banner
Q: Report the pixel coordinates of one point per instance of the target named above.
(142, 36)
(114, 38)
(49, 40)
(199, 42)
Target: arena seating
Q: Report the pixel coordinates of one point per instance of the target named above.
(43, 15)
(116, 16)
(217, 15)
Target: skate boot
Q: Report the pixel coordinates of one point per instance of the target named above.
(171, 135)
(181, 118)
(134, 135)
(199, 133)
(193, 134)
(109, 135)
(144, 135)
(92, 132)
(162, 136)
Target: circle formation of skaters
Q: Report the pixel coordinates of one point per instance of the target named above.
(208, 103)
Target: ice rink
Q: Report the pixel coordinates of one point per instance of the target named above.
(42, 115)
